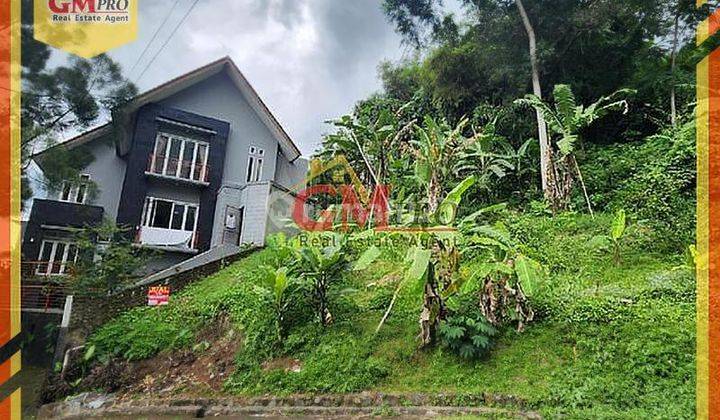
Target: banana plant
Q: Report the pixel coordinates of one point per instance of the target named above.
(275, 284)
(436, 146)
(489, 158)
(322, 266)
(370, 140)
(505, 278)
(433, 264)
(612, 240)
(565, 120)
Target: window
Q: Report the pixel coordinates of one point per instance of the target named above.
(73, 192)
(167, 214)
(179, 157)
(56, 257)
(255, 164)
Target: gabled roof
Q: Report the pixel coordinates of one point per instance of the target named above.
(124, 115)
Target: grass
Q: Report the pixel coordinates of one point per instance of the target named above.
(611, 341)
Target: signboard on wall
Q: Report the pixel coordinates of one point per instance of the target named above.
(158, 295)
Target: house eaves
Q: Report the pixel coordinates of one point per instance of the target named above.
(124, 117)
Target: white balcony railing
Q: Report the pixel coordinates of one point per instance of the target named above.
(182, 240)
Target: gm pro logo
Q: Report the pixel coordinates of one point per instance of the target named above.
(85, 27)
(110, 11)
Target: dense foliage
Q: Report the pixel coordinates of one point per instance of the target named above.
(626, 346)
(74, 95)
(580, 301)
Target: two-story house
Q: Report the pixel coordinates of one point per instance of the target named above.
(187, 166)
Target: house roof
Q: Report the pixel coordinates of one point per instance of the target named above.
(173, 86)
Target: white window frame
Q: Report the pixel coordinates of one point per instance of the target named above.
(256, 158)
(74, 190)
(64, 260)
(149, 209)
(183, 141)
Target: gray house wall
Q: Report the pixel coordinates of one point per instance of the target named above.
(215, 98)
(218, 97)
(107, 172)
(255, 217)
(291, 175)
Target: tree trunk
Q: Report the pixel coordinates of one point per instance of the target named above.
(433, 194)
(433, 309)
(545, 151)
(673, 57)
(321, 299)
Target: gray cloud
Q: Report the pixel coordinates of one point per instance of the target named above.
(310, 60)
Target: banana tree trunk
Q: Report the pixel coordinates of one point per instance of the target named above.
(433, 192)
(546, 160)
(433, 309)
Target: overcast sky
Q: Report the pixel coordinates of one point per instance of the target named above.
(310, 60)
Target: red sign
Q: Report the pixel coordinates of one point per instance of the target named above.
(158, 295)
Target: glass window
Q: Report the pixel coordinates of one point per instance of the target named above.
(177, 217)
(56, 257)
(161, 214)
(199, 169)
(258, 170)
(72, 253)
(251, 163)
(75, 192)
(45, 253)
(187, 159)
(65, 195)
(179, 157)
(160, 151)
(171, 215)
(166, 214)
(82, 189)
(255, 164)
(147, 209)
(173, 157)
(190, 219)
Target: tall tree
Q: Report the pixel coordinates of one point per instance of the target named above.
(546, 163)
(409, 17)
(680, 16)
(62, 99)
(596, 46)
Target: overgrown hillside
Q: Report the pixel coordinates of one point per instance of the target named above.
(610, 338)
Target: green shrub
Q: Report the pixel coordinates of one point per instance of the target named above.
(654, 181)
(142, 333)
(145, 331)
(466, 332)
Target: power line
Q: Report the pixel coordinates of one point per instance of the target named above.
(157, 31)
(167, 40)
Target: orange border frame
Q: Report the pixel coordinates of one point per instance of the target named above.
(10, 195)
(707, 117)
(708, 211)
